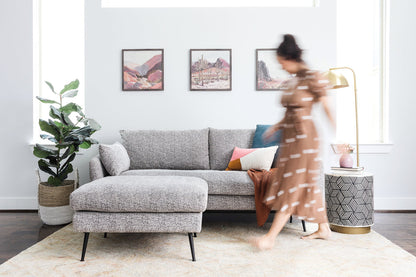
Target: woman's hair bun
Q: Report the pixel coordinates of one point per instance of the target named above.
(289, 38)
(289, 49)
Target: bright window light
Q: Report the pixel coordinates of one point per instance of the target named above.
(360, 31)
(58, 39)
(206, 4)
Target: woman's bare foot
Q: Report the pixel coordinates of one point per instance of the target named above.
(263, 243)
(324, 232)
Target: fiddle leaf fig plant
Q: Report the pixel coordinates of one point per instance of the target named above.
(67, 136)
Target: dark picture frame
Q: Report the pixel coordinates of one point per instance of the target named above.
(269, 74)
(210, 69)
(142, 70)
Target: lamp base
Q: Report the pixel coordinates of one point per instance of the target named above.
(350, 230)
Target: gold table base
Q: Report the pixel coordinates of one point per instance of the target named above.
(350, 230)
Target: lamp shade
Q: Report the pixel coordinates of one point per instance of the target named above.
(336, 80)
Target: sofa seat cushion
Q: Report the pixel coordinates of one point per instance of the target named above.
(142, 194)
(219, 181)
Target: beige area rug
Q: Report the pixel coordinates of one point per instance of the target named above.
(221, 250)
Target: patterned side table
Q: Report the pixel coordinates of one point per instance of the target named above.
(349, 202)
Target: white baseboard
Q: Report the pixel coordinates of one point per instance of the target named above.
(380, 203)
(18, 203)
(395, 203)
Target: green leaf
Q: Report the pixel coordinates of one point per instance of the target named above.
(55, 113)
(72, 85)
(53, 161)
(85, 131)
(68, 161)
(65, 171)
(73, 139)
(43, 165)
(50, 86)
(85, 145)
(94, 124)
(70, 94)
(58, 124)
(43, 152)
(69, 151)
(50, 127)
(67, 121)
(54, 181)
(92, 141)
(72, 107)
(64, 144)
(48, 137)
(46, 101)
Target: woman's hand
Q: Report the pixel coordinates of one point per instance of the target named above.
(271, 131)
(328, 112)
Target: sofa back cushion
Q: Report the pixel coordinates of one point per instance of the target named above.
(155, 149)
(222, 143)
(114, 158)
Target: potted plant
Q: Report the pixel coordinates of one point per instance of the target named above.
(68, 135)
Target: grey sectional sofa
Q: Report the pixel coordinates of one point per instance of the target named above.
(195, 153)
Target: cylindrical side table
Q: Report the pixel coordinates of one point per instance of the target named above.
(349, 202)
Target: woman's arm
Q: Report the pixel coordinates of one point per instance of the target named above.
(325, 105)
(273, 129)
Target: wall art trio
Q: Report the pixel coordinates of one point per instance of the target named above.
(210, 70)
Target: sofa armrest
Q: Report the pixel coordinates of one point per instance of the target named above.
(97, 169)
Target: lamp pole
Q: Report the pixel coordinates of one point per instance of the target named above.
(356, 109)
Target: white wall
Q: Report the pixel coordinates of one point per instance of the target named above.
(395, 185)
(17, 182)
(177, 30)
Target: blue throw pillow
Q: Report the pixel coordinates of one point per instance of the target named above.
(258, 141)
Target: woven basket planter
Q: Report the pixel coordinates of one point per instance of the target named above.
(53, 201)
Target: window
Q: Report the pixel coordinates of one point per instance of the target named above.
(361, 45)
(58, 52)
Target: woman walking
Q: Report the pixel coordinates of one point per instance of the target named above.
(293, 189)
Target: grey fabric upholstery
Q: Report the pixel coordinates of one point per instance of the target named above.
(231, 203)
(219, 181)
(222, 143)
(114, 157)
(142, 194)
(137, 222)
(152, 149)
(97, 169)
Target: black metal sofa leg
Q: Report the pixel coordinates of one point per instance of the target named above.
(105, 235)
(191, 243)
(303, 225)
(84, 247)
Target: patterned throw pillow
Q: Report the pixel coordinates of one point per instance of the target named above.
(114, 158)
(255, 158)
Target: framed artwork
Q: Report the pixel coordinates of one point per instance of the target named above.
(269, 74)
(210, 69)
(142, 69)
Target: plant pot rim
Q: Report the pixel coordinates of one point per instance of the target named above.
(65, 183)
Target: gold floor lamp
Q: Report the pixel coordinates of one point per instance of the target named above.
(339, 81)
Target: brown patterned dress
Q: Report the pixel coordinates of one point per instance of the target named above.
(293, 187)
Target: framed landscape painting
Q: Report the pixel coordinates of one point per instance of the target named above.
(142, 69)
(210, 69)
(269, 74)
